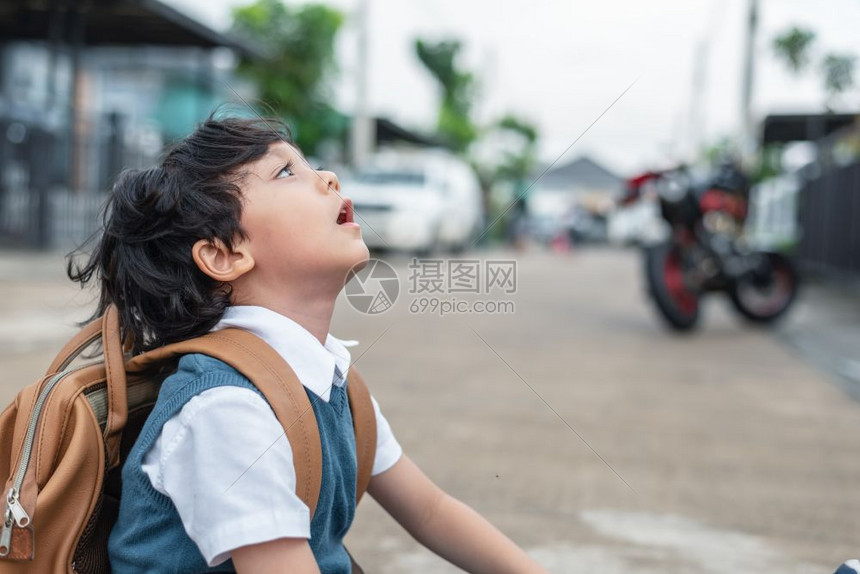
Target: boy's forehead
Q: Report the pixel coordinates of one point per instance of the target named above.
(281, 150)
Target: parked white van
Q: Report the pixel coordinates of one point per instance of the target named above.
(419, 201)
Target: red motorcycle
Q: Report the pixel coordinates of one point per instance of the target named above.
(706, 251)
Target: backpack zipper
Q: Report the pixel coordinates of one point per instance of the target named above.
(14, 510)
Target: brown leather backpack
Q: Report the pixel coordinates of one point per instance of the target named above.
(64, 440)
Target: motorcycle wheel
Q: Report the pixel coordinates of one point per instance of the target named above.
(766, 295)
(677, 304)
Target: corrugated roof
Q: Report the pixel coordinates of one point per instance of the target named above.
(114, 22)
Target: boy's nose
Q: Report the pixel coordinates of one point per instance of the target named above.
(331, 180)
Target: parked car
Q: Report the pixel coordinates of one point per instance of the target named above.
(419, 202)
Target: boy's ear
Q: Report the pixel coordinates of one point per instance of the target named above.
(221, 263)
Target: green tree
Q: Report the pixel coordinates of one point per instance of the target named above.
(838, 72)
(517, 164)
(294, 78)
(454, 125)
(505, 155)
(504, 151)
(794, 47)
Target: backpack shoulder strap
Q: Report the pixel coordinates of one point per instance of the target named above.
(105, 327)
(265, 368)
(364, 422)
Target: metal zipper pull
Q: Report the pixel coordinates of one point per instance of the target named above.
(6, 534)
(22, 519)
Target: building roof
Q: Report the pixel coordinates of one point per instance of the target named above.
(581, 172)
(389, 132)
(114, 22)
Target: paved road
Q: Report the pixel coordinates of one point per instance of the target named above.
(592, 436)
(825, 329)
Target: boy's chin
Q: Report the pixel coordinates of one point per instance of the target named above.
(358, 259)
(361, 261)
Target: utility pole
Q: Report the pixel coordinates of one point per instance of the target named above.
(697, 109)
(362, 134)
(749, 141)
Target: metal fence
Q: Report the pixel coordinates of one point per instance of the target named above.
(64, 221)
(38, 208)
(829, 216)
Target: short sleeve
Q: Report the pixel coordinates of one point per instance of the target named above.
(388, 450)
(227, 465)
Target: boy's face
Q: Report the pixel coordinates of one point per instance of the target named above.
(290, 214)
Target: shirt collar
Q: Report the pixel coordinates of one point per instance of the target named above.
(312, 362)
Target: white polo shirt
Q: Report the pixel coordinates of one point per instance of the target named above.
(224, 459)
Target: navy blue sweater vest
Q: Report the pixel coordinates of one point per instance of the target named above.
(148, 535)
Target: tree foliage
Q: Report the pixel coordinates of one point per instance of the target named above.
(504, 151)
(838, 70)
(505, 156)
(795, 48)
(455, 125)
(517, 163)
(293, 79)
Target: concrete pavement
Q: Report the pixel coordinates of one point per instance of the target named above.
(592, 436)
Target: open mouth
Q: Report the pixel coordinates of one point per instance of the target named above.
(346, 212)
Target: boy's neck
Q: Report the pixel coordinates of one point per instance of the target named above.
(315, 318)
(311, 305)
(312, 314)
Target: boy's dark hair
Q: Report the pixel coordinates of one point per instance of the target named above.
(142, 256)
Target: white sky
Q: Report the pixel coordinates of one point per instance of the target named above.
(561, 63)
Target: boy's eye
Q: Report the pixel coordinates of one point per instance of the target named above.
(288, 169)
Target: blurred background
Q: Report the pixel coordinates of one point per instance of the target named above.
(677, 183)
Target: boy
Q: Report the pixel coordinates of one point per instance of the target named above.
(235, 229)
